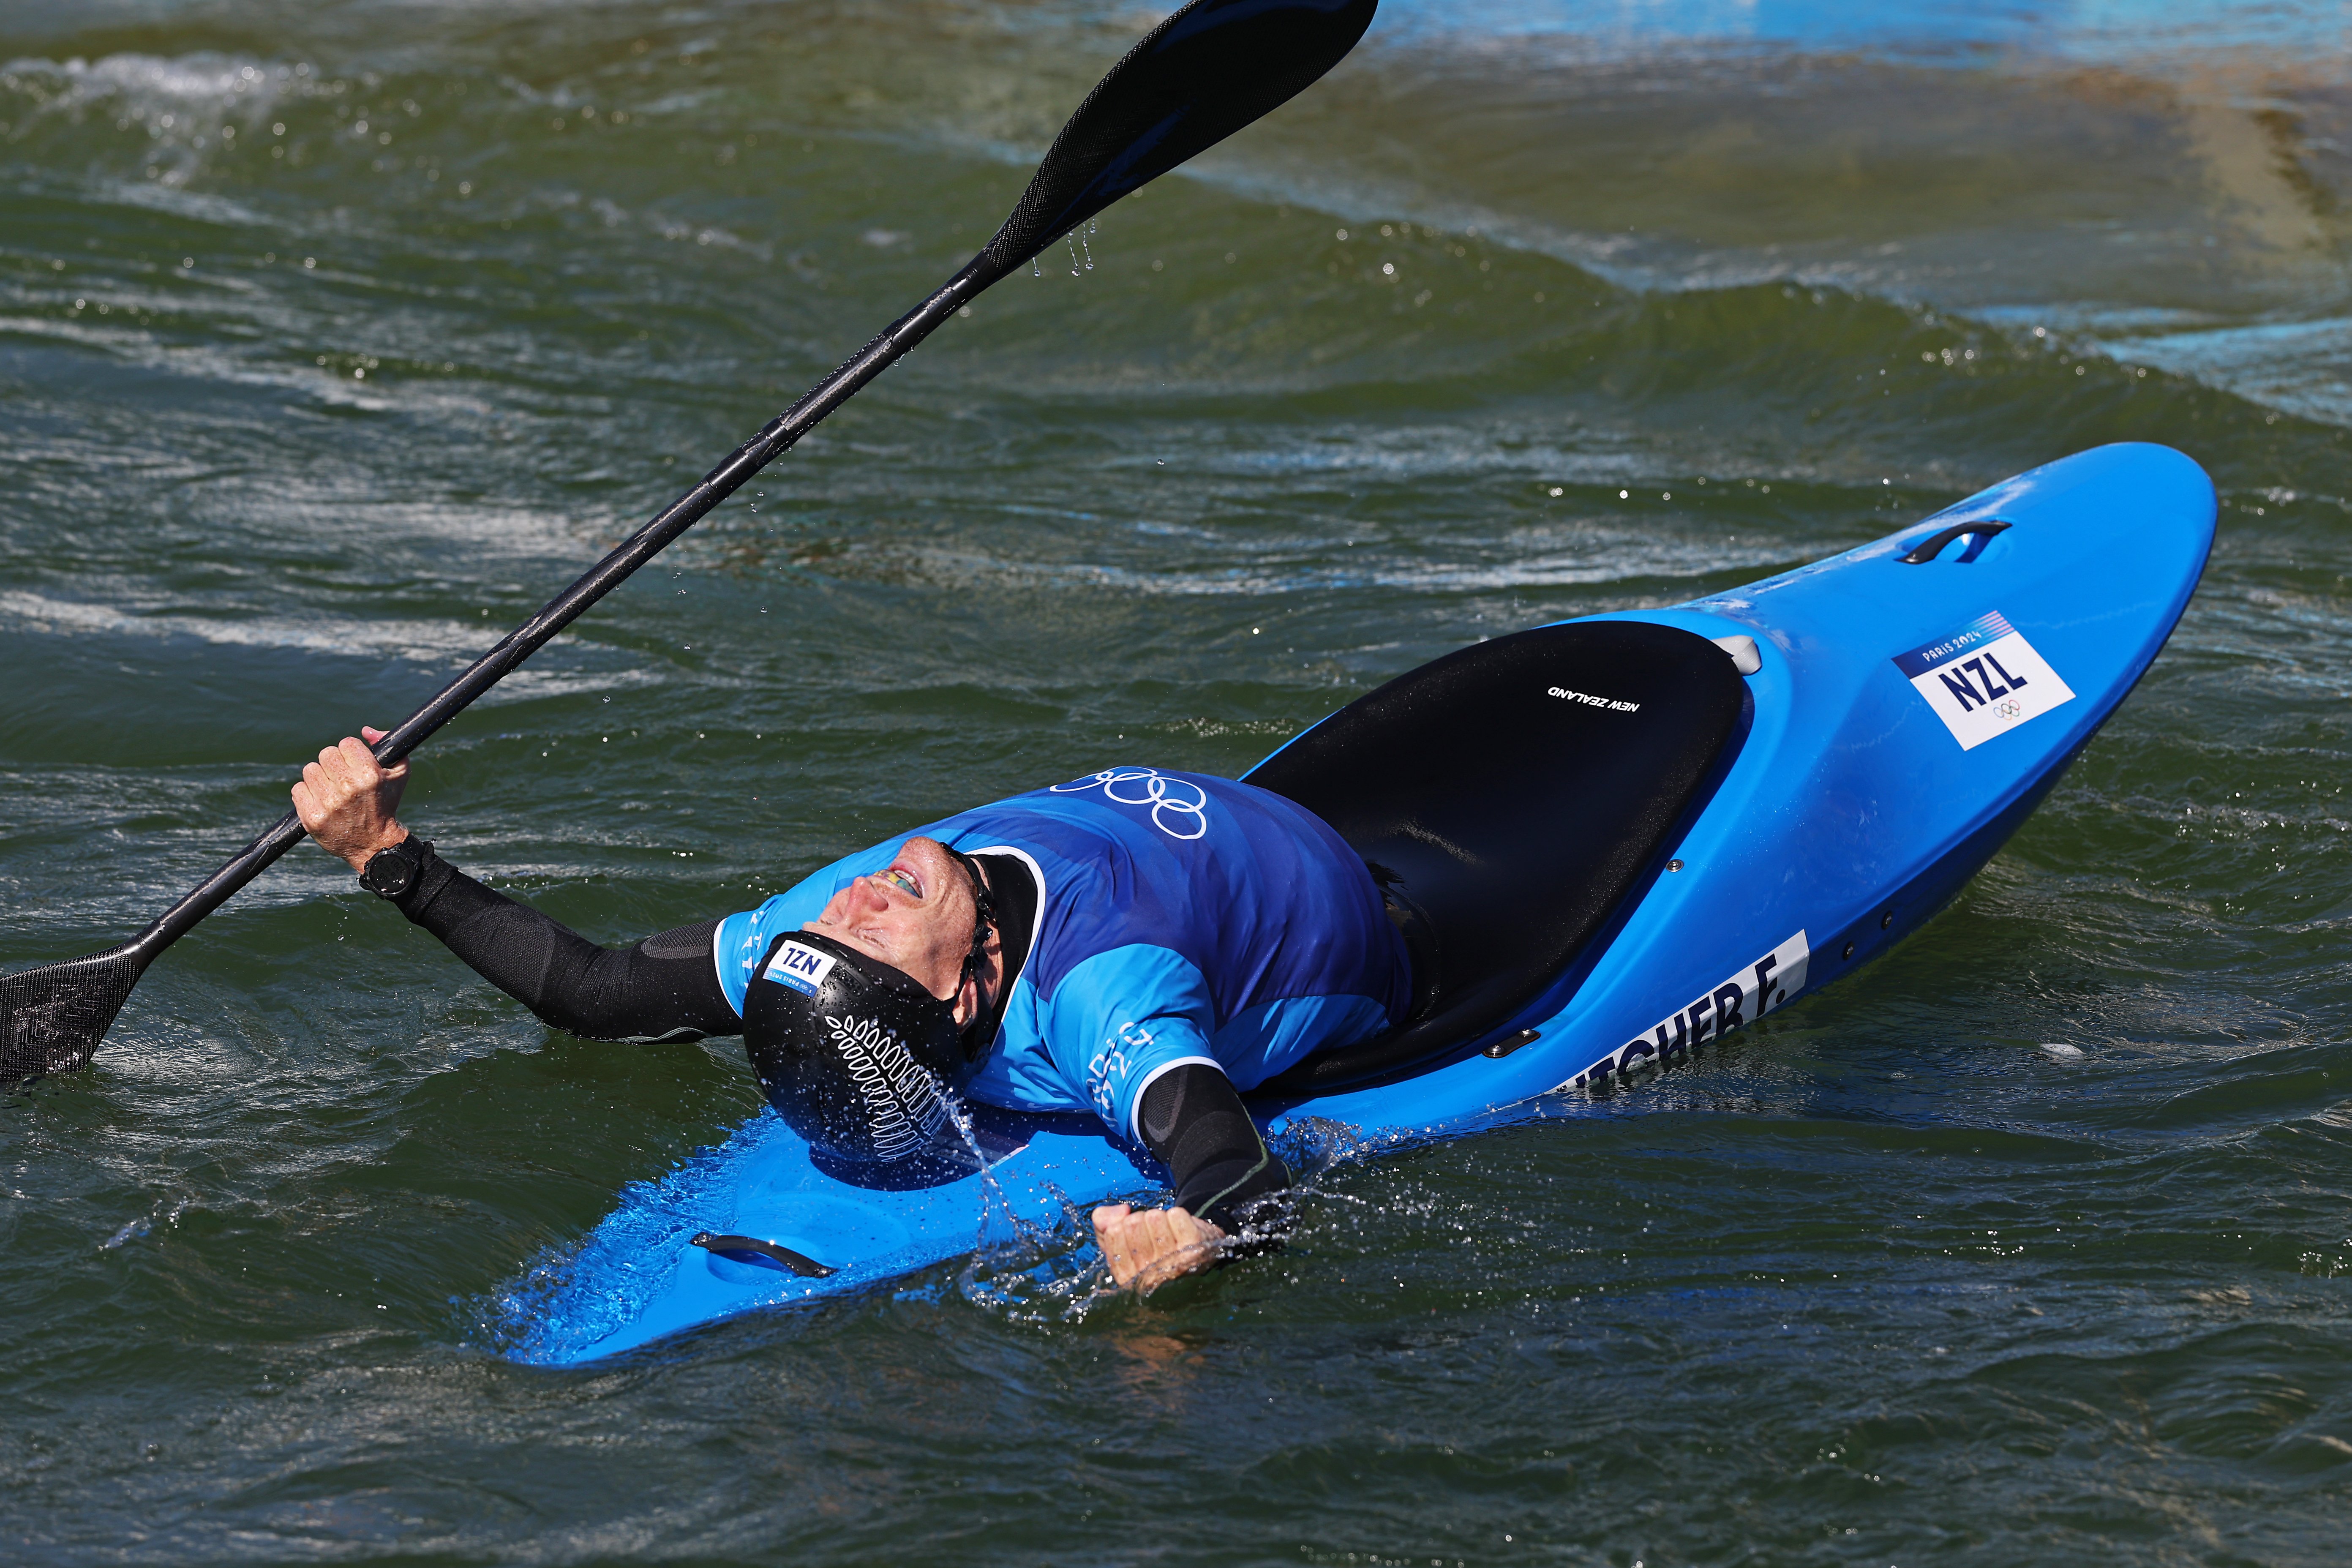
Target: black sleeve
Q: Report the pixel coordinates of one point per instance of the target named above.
(1193, 1121)
(664, 988)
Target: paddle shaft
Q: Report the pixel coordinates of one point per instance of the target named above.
(1205, 72)
(598, 580)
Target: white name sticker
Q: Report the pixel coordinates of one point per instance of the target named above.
(802, 968)
(1983, 681)
(1744, 997)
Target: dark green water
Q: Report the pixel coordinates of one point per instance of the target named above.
(2031, 1244)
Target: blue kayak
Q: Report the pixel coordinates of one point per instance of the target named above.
(1625, 835)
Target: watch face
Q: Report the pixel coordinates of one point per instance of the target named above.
(389, 871)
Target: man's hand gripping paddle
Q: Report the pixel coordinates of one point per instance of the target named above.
(1204, 73)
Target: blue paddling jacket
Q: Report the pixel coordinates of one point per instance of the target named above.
(1180, 918)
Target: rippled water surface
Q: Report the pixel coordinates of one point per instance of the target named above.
(334, 338)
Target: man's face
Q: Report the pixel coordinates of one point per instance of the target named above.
(915, 914)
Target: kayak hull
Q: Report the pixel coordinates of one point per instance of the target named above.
(1877, 769)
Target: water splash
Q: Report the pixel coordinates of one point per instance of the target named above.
(1059, 1276)
(991, 1191)
(1029, 1259)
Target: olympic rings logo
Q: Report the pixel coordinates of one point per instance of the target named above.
(1180, 808)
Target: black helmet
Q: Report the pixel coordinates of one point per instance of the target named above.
(855, 1055)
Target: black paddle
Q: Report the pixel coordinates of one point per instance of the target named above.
(1200, 76)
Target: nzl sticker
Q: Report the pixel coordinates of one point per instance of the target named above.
(802, 968)
(1760, 988)
(1983, 680)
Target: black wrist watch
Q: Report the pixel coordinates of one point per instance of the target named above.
(392, 871)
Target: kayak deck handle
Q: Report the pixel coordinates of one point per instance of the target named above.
(1927, 549)
(751, 1250)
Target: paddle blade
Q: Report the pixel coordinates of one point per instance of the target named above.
(1205, 72)
(52, 1017)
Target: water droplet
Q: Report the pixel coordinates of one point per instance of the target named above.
(1036, 270)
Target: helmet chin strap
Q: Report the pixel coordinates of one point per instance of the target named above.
(983, 920)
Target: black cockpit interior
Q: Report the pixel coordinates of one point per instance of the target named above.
(1509, 797)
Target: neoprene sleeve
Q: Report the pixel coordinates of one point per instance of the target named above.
(1194, 1121)
(664, 988)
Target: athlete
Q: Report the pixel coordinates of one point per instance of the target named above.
(1140, 944)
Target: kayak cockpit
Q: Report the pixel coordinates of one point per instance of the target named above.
(1508, 797)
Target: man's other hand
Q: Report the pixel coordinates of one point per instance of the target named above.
(1148, 1247)
(347, 800)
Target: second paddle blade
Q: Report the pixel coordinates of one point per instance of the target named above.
(1204, 73)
